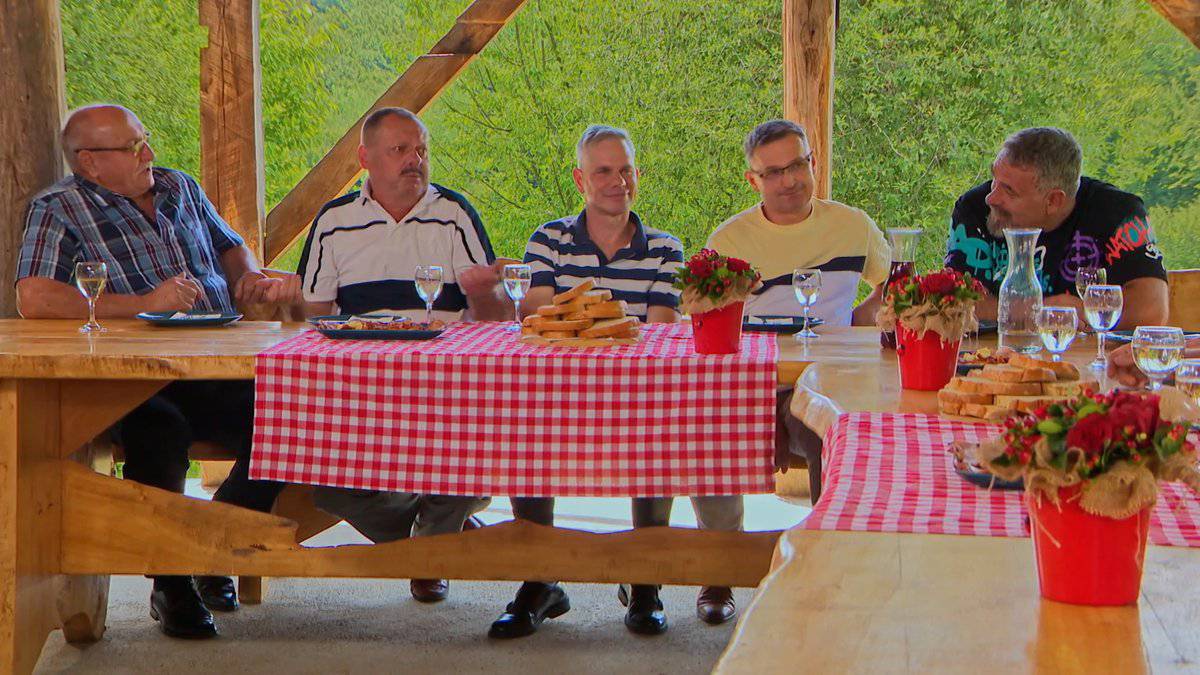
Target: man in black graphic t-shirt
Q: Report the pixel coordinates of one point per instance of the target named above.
(1084, 222)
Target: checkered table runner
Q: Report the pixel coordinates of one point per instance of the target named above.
(476, 412)
(891, 473)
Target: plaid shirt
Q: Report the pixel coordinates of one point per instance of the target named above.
(76, 220)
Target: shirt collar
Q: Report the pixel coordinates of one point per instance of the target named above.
(638, 244)
(365, 198)
(108, 196)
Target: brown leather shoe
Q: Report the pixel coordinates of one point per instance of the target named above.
(715, 605)
(429, 590)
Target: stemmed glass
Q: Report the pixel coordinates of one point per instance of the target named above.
(1187, 379)
(1056, 326)
(1102, 307)
(429, 286)
(90, 278)
(516, 283)
(1157, 351)
(807, 284)
(1089, 276)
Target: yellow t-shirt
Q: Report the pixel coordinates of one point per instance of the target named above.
(842, 241)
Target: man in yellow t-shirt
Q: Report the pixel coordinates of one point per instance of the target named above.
(790, 229)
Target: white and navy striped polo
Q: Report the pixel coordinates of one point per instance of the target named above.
(562, 256)
(360, 257)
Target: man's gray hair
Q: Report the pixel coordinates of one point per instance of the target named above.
(600, 132)
(769, 132)
(1052, 153)
(379, 115)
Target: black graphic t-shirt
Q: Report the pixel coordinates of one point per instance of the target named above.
(1108, 228)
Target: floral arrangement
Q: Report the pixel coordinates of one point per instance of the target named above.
(942, 302)
(1116, 446)
(711, 281)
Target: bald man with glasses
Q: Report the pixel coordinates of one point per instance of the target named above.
(166, 250)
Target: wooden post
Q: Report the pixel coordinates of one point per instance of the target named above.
(1183, 14)
(808, 39)
(31, 68)
(231, 135)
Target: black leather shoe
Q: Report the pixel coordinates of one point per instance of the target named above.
(218, 593)
(645, 615)
(176, 606)
(535, 602)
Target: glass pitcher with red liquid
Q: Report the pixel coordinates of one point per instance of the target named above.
(904, 255)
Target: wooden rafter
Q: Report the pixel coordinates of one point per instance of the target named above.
(419, 86)
(1183, 14)
(808, 40)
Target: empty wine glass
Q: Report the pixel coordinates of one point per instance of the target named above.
(1102, 307)
(429, 286)
(807, 285)
(1056, 326)
(1157, 351)
(1089, 276)
(516, 283)
(1187, 379)
(90, 278)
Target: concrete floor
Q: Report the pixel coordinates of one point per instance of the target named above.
(369, 626)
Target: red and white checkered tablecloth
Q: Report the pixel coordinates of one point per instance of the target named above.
(476, 412)
(887, 472)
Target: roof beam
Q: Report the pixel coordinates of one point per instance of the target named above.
(1183, 14)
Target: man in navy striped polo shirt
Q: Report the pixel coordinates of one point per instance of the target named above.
(361, 255)
(609, 244)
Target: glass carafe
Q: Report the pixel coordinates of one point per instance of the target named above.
(904, 255)
(1020, 293)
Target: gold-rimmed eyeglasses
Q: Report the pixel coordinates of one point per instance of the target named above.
(795, 168)
(134, 147)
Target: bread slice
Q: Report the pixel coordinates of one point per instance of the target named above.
(1068, 389)
(949, 407)
(568, 296)
(548, 324)
(558, 310)
(961, 397)
(979, 385)
(609, 327)
(592, 297)
(1010, 373)
(558, 334)
(1062, 369)
(990, 413)
(1025, 403)
(609, 309)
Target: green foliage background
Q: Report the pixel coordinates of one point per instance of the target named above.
(924, 93)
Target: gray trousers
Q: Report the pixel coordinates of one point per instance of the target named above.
(388, 516)
(714, 513)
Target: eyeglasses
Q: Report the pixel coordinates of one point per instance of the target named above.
(795, 168)
(134, 148)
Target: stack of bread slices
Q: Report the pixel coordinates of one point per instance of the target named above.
(1022, 385)
(581, 317)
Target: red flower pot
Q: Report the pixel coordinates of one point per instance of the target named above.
(719, 331)
(926, 363)
(1085, 559)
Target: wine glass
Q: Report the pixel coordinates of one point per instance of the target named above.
(1056, 326)
(1187, 379)
(429, 286)
(516, 283)
(1157, 351)
(90, 278)
(1102, 307)
(1088, 276)
(807, 284)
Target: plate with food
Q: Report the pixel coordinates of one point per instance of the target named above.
(376, 327)
(984, 356)
(962, 459)
(189, 319)
(771, 323)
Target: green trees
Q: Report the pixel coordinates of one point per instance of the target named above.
(924, 93)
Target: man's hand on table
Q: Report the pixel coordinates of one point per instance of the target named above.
(478, 280)
(256, 288)
(177, 294)
(1122, 368)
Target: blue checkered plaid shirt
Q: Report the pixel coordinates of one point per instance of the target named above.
(76, 220)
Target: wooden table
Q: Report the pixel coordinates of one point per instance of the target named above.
(885, 602)
(64, 527)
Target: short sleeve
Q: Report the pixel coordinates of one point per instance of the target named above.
(317, 267)
(662, 292)
(540, 255)
(223, 237)
(879, 255)
(48, 248)
(1131, 251)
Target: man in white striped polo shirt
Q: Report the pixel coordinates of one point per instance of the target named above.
(361, 255)
(607, 243)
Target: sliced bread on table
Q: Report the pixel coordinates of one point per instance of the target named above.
(1062, 369)
(569, 295)
(1011, 373)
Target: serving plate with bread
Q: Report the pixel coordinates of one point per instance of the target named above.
(581, 317)
(1022, 384)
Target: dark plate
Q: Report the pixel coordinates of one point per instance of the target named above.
(976, 475)
(988, 327)
(771, 323)
(370, 334)
(965, 369)
(164, 319)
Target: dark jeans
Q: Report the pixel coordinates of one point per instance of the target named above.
(157, 434)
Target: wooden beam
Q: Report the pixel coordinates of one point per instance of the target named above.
(159, 532)
(808, 40)
(231, 132)
(1183, 14)
(416, 89)
(31, 68)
